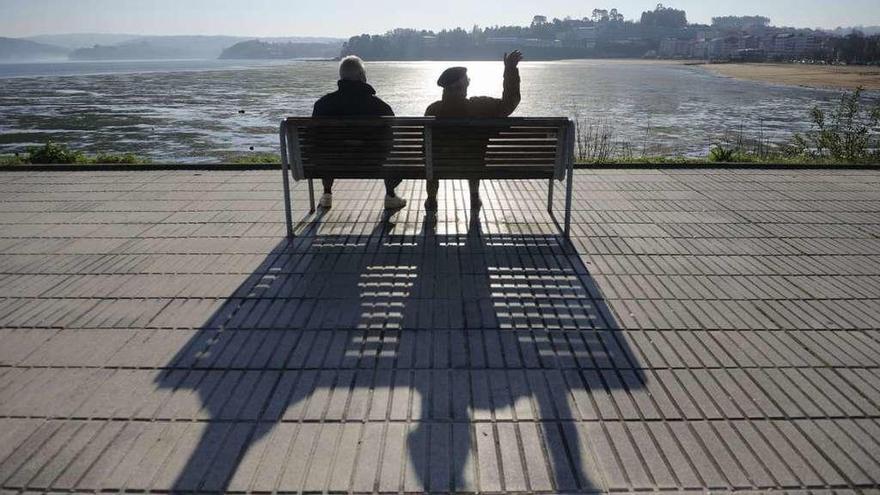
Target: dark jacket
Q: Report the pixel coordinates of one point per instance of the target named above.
(335, 143)
(481, 106)
(353, 99)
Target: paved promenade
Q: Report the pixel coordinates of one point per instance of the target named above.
(709, 330)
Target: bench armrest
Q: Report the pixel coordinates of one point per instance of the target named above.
(291, 155)
(565, 150)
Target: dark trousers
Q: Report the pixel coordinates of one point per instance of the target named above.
(434, 186)
(390, 186)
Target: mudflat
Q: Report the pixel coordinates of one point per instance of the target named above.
(813, 76)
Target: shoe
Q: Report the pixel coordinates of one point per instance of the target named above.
(431, 204)
(476, 203)
(326, 201)
(394, 203)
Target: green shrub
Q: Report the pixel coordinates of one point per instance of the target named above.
(720, 154)
(52, 153)
(848, 135)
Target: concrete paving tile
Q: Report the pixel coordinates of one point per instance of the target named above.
(560, 464)
(12, 435)
(857, 464)
(677, 460)
(41, 456)
(792, 456)
(52, 470)
(323, 457)
(392, 461)
(345, 457)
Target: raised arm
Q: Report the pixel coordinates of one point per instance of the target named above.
(511, 97)
(486, 106)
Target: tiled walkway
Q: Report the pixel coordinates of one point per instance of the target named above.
(712, 330)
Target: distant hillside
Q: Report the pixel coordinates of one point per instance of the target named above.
(188, 47)
(159, 47)
(256, 49)
(82, 40)
(129, 51)
(16, 49)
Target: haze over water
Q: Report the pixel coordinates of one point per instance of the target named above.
(191, 111)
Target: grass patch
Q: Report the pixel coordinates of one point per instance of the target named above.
(255, 159)
(59, 154)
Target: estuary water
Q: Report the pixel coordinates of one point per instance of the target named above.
(208, 111)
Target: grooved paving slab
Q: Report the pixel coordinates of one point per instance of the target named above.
(706, 330)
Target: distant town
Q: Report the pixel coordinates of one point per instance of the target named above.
(662, 33)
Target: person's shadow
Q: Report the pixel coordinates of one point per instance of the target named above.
(457, 338)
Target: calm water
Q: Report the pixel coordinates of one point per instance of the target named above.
(190, 111)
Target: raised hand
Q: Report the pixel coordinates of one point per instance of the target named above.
(512, 59)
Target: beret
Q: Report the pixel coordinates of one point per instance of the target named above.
(451, 76)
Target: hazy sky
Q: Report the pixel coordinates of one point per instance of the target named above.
(348, 17)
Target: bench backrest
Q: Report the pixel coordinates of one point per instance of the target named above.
(427, 148)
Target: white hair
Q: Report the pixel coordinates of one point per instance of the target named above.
(352, 69)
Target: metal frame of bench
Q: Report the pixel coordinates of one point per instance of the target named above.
(563, 168)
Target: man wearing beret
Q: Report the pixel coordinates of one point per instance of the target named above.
(456, 104)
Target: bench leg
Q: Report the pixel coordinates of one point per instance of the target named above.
(288, 213)
(550, 198)
(311, 196)
(569, 186)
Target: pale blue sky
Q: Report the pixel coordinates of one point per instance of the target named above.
(347, 17)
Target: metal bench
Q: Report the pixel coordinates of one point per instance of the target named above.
(428, 148)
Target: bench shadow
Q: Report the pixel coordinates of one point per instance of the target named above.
(457, 341)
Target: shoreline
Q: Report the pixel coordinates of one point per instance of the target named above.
(807, 76)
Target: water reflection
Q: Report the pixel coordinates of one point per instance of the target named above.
(187, 116)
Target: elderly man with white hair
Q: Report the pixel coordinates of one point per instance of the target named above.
(356, 98)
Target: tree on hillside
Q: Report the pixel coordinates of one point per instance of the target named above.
(665, 17)
(740, 22)
(856, 48)
(600, 15)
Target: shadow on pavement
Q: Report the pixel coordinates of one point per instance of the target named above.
(443, 345)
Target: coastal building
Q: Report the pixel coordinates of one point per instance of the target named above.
(505, 41)
(513, 41)
(791, 45)
(585, 37)
(756, 45)
(541, 43)
(676, 48)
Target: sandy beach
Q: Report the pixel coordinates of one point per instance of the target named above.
(812, 76)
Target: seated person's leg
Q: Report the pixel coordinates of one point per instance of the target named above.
(474, 185)
(431, 203)
(392, 202)
(391, 185)
(327, 199)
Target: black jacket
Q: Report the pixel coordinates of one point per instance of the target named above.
(336, 144)
(353, 99)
